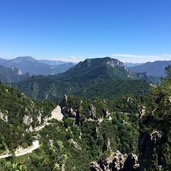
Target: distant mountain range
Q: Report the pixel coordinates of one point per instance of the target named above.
(105, 77)
(156, 68)
(130, 64)
(32, 66)
(52, 62)
(83, 71)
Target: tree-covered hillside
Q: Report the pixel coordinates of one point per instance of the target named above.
(105, 124)
(102, 77)
(91, 129)
(155, 129)
(95, 70)
(18, 115)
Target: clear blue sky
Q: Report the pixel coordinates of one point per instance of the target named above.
(132, 30)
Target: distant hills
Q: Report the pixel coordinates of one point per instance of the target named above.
(104, 77)
(28, 64)
(130, 64)
(156, 68)
(32, 66)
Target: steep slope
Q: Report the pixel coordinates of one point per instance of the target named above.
(87, 79)
(18, 116)
(155, 130)
(90, 129)
(150, 79)
(8, 75)
(156, 68)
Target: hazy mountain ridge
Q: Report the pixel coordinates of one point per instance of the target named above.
(8, 75)
(156, 68)
(52, 62)
(32, 66)
(130, 64)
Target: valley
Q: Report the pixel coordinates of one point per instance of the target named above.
(97, 116)
(85, 85)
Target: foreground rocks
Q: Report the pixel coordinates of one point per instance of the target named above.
(116, 162)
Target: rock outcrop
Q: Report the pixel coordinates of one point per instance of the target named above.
(155, 135)
(56, 114)
(3, 117)
(27, 119)
(116, 162)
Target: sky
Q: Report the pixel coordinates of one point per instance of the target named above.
(72, 30)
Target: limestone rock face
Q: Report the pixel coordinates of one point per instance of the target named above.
(56, 114)
(95, 167)
(3, 117)
(119, 160)
(150, 148)
(92, 112)
(114, 63)
(131, 163)
(27, 120)
(116, 162)
(106, 113)
(68, 111)
(39, 118)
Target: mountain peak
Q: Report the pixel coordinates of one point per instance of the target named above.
(100, 61)
(24, 58)
(97, 70)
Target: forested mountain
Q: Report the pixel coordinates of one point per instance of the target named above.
(97, 69)
(8, 75)
(32, 66)
(156, 68)
(97, 134)
(103, 77)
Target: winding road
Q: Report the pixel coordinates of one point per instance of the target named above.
(20, 152)
(55, 114)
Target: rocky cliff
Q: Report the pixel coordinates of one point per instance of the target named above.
(116, 162)
(155, 131)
